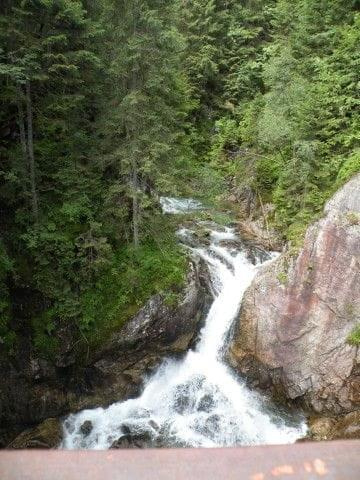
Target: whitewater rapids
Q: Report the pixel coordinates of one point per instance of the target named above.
(197, 401)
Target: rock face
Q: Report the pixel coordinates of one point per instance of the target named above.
(292, 331)
(35, 390)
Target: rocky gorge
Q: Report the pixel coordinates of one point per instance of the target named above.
(290, 338)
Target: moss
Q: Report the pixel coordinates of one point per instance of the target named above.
(130, 278)
(350, 310)
(353, 218)
(171, 299)
(354, 337)
(283, 278)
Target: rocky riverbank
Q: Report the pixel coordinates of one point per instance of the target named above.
(40, 390)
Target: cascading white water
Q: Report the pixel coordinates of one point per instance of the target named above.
(179, 205)
(197, 401)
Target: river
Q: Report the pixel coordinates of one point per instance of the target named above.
(197, 401)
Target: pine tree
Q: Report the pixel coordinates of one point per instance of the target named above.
(148, 94)
(248, 34)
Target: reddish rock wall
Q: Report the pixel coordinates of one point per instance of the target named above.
(295, 319)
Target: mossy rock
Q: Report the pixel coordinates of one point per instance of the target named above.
(48, 434)
(348, 427)
(320, 428)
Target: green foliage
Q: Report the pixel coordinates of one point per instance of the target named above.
(268, 170)
(208, 183)
(44, 339)
(158, 266)
(354, 337)
(291, 81)
(350, 167)
(224, 142)
(109, 100)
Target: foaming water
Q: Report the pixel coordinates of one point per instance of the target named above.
(196, 401)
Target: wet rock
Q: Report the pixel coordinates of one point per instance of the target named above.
(210, 426)
(86, 428)
(154, 425)
(145, 440)
(141, 413)
(126, 430)
(69, 426)
(41, 369)
(140, 440)
(206, 404)
(296, 316)
(48, 434)
(185, 395)
(158, 328)
(184, 401)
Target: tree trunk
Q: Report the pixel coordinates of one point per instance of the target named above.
(134, 172)
(135, 205)
(30, 152)
(21, 125)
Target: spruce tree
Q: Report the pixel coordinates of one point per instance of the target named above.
(147, 90)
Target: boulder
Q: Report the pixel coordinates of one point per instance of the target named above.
(86, 428)
(291, 334)
(320, 428)
(48, 434)
(140, 440)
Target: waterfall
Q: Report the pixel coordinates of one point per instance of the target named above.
(197, 401)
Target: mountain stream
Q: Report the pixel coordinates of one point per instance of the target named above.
(197, 401)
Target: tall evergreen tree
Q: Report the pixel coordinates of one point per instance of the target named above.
(148, 92)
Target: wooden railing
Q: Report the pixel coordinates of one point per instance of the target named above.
(338, 460)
